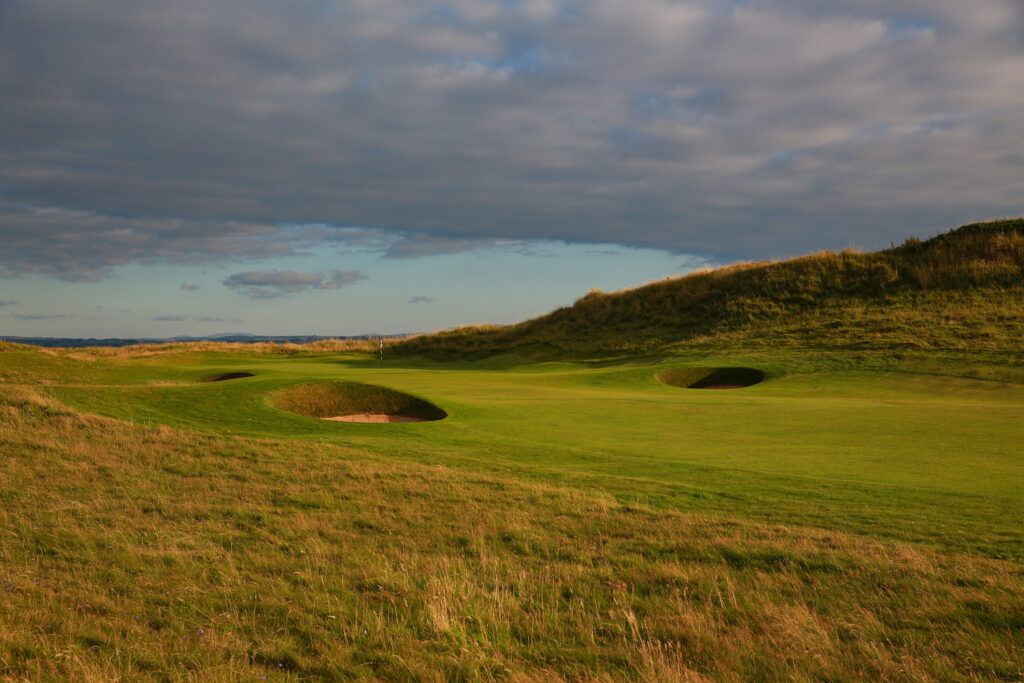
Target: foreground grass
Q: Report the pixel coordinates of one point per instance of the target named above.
(141, 552)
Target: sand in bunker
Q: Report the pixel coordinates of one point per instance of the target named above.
(373, 417)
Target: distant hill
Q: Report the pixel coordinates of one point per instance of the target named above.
(234, 337)
(962, 290)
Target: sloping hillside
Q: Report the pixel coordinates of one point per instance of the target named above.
(961, 289)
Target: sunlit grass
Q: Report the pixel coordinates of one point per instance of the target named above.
(962, 289)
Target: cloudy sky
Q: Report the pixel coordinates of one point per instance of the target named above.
(340, 167)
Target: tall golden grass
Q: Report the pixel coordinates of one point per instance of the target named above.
(268, 348)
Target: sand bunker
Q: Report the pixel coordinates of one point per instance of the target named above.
(341, 401)
(712, 378)
(374, 417)
(228, 375)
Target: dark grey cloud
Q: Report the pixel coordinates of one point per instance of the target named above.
(269, 284)
(416, 246)
(189, 287)
(755, 128)
(196, 318)
(420, 299)
(84, 245)
(217, 319)
(9, 302)
(40, 316)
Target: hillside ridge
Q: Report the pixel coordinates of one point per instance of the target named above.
(963, 288)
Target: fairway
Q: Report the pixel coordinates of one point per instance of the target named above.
(853, 515)
(871, 448)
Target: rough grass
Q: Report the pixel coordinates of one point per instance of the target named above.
(330, 399)
(970, 280)
(154, 554)
(263, 348)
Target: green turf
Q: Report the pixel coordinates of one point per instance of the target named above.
(907, 449)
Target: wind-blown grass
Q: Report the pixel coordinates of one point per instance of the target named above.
(962, 289)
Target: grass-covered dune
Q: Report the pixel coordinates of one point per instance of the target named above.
(961, 289)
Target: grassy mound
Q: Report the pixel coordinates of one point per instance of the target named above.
(228, 375)
(971, 279)
(712, 378)
(330, 399)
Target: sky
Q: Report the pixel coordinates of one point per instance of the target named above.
(349, 167)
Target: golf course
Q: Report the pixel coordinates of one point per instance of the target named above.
(802, 470)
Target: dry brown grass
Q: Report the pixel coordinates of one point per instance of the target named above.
(980, 262)
(143, 350)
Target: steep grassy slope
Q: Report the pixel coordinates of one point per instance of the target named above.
(961, 289)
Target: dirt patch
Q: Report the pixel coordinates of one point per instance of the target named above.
(374, 417)
(228, 375)
(712, 378)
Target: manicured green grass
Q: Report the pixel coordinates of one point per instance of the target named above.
(879, 449)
